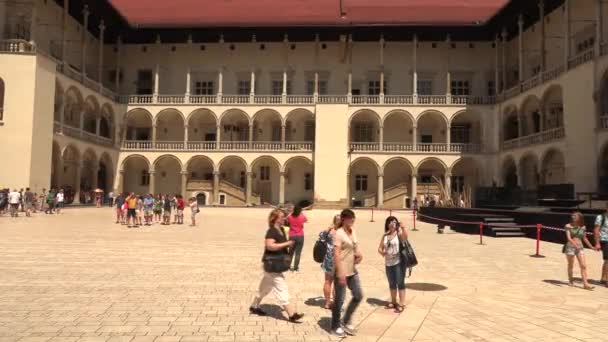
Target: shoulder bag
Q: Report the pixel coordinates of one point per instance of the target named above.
(279, 262)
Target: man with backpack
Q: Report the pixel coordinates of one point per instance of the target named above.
(601, 242)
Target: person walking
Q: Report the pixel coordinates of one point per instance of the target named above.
(148, 207)
(328, 261)
(601, 242)
(14, 198)
(119, 202)
(167, 210)
(140, 210)
(42, 200)
(60, 200)
(111, 199)
(296, 222)
(50, 201)
(394, 233)
(158, 208)
(180, 205)
(276, 261)
(28, 201)
(575, 235)
(193, 211)
(346, 256)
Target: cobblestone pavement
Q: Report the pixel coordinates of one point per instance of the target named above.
(80, 277)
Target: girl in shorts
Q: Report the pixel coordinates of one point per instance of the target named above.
(575, 235)
(158, 208)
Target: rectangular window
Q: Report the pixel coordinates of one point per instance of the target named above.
(244, 87)
(145, 177)
(491, 88)
(460, 88)
(356, 92)
(373, 88)
(426, 138)
(457, 184)
(361, 183)
(203, 88)
(222, 199)
(364, 132)
(307, 181)
(425, 87)
(277, 87)
(144, 82)
(243, 179)
(310, 87)
(460, 134)
(265, 173)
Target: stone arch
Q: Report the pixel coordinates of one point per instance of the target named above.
(171, 156)
(466, 127)
(170, 125)
(553, 167)
(59, 101)
(529, 171)
(202, 125)
(397, 175)
(530, 115)
(74, 103)
(431, 173)
(267, 125)
(168, 174)
(136, 174)
(265, 172)
(363, 182)
(91, 112)
(432, 128)
(233, 169)
(510, 123)
(552, 103)
(234, 125)
(138, 124)
(106, 122)
(299, 184)
(300, 125)
(364, 126)
(105, 173)
(509, 172)
(200, 167)
(398, 129)
(465, 177)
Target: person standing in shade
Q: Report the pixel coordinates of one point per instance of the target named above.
(576, 235)
(42, 199)
(119, 202)
(28, 201)
(394, 233)
(50, 202)
(158, 208)
(296, 222)
(14, 198)
(276, 246)
(111, 199)
(60, 198)
(167, 210)
(148, 207)
(346, 256)
(193, 211)
(601, 242)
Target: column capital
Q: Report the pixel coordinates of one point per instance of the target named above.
(448, 174)
(520, 21)
(121, 172)
(151, 172)
(86, 11)
(216, 173)
(381, 175)
(102, 27)
(186, 126)
(184, 173)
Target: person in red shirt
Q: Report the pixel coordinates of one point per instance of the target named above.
(296, 222)
(180, 205)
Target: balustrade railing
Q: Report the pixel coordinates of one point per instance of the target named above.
(581, 58)
(137, 145)
(234, 145)
(553, 73)
(171, 99)
(274, 99)
(530, 83)
(332, 99)
(298, 146)
(300, 99)
(365, 146)
(169, 145)
(513, 91)
(235, 99)
(432, 99)
(16, 46)
(266, 145)
(203, 99)
(465, 148)
(434, 147)
(398, 99)
(365, 99)
(201, 145)
(397, 147)
(535, 139)
(604, 122)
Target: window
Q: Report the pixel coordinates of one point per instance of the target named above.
(310, 87)
(145, 177)
(426, 138)
(373, 88)
(264, 173)
(307, 181)
(277, 87)
(425, 87)
(491, 88)
(244, 87)
(363, 132)
(356, 92)
(460, 88)
(361, 183)
(309, 131)
(203, 88)
(222, 199)
(242, 179)
(460, 134)
(1, 99)
(457, 184)
(144, 82)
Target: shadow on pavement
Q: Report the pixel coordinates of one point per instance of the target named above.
(315, 301)
(325, 324)
(377, 302)
(425, 287)
(273, 311)
(556, 282)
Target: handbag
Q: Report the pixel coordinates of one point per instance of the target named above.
(277, 263)
(408, 257)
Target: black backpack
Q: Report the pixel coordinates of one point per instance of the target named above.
(320, 249)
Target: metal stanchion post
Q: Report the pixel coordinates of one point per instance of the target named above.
(372, 220)
(481, 233)
(538, 229)
(415, 220)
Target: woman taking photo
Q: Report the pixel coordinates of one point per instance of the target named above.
(394, 233)
(575, 235)
(328, 261)
(276, 261)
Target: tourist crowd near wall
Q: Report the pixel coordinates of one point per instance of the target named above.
(344, 120)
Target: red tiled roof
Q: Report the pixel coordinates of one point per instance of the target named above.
(209, 13)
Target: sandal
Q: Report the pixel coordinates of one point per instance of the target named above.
(391, 306)
(399, 308)
(328, 306)
(588, 287)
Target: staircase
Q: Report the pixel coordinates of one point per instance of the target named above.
(503, 226)
(236, 194)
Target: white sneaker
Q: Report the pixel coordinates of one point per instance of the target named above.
(339, 332)
(349, 329)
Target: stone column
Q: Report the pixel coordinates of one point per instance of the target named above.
(282, 136)
(414, 185)
(415, 137)
(520, 39)
(188, 84)
(504, 59)
(541, 10)
(381, 143)
(284, 93)
(218, 131)
(496, 67)
(415, 68)
(33, 23)
(448, 136)
(77, 182)
(252, 87)
(566, 33)
(380, 195)
(154, 135)
(381, 97)
(121, 182)
(117, 71)
(448, 185)
(85, 28)
(97, 125)
(216, 187)
(282, 188)
(248, 189)
(65, 16)
(349, 94)
(348, 189)
(599, 27)
(186, 137)
(220, 84)
(250, 135)
(157, 70)
(315, 93)
(152, 185)
(184, 185)
(102, 29)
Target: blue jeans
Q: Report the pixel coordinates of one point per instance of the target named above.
(299, 243)
(396, 277)
(354, 285)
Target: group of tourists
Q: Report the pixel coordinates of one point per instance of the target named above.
(339, 254)
(28, 202)
(576, 236)
(144, 210)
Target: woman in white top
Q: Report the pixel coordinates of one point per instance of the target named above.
(394, 232)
